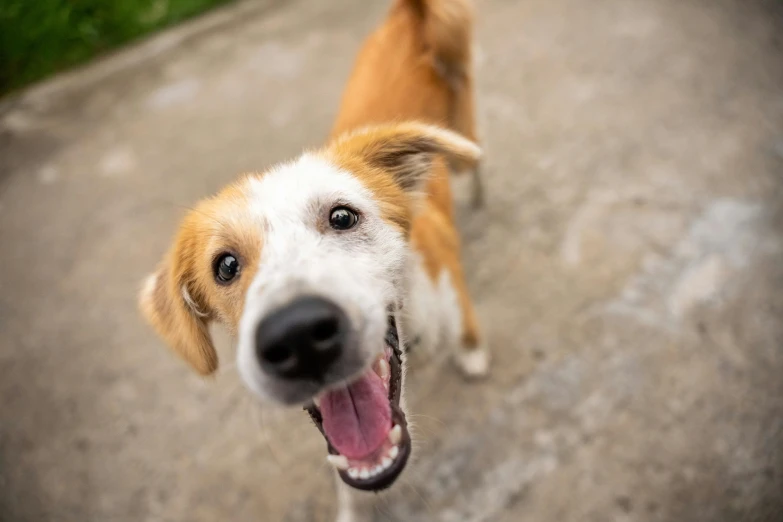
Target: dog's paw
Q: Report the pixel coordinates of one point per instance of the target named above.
(473, 363)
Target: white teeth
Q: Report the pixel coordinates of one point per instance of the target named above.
(317, 402)
(338, 461)
(383, 369)
(395, 435)
(394, 452)
(364, 473)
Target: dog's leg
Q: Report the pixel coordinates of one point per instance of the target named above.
(350, 506)
(464, 122)
(477, 190)
(457, 327)
(472, 355)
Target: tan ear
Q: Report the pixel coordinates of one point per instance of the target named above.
(168, 306)
(406, 150)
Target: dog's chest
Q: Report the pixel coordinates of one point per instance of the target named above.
(432, 312)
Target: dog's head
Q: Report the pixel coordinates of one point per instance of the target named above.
(306, 265)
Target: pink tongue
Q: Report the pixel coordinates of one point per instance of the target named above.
(357, 419)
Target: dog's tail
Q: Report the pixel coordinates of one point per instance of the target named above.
(448, 34)
(447, 30)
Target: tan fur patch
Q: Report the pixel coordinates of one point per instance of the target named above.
(397, 162)
(222, 224)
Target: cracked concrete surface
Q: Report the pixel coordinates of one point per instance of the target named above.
(628, 269)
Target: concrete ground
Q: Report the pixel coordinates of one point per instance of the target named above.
(628, 269)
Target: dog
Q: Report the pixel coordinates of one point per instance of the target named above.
(328, 267)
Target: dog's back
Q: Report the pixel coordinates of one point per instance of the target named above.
(416, 66)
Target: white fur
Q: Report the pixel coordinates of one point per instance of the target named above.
(148, 287)
(432, 310)
(459, 144)
(360, 269)
(434, 315)
(352, 505)
(190, 302)
(473, 362)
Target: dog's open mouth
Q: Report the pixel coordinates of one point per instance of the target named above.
(364, 427)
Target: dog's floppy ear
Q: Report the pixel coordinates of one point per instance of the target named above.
(407, 150)
(167, 303)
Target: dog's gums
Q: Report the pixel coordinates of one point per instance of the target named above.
(365, 429)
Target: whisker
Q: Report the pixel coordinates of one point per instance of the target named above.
(419, 434)
(427, 505)
(259, 412)
(232, 405)
(434, 432)
(387, 513)
(245, 401)
(429, 417)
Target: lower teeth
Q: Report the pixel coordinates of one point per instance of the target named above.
(365, 472)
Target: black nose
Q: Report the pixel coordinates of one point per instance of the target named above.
(302, 339)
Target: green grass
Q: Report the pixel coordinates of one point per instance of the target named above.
(40, 37)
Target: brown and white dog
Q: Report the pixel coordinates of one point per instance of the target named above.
(323, 267)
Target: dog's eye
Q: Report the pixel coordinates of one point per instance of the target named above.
(226, 268)
(343, 218)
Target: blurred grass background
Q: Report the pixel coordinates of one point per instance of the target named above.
(40, 37)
